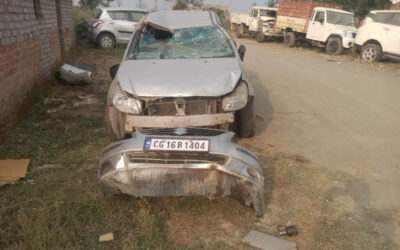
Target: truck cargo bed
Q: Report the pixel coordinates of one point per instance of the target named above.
(294, 15)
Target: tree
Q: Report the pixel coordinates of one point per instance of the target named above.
(272, 3)
(183, 4)
(93, 4)
(362, 7)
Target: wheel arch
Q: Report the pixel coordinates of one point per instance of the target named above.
(333, 35)
(372, 41)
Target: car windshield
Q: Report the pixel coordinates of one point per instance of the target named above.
(268, 13)
(190, 43)
(335, 17)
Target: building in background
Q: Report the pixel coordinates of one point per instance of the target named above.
(35, 36)
(396, 6)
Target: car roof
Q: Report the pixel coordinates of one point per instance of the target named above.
(123, 9)
(333, 9)
(265, 8)
(384, 11)
(181, 19)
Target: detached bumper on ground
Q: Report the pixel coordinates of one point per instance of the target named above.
(225, 170)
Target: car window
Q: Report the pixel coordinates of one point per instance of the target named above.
(395, 20)
(384, 17)
(119, 15)
(335, 17)
(190, 43)
(136, 16)
(268, 13)
(98, 14)
(319, 16)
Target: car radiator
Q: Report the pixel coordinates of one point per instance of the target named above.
(182, 106)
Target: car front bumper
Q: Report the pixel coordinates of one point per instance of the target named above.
(226, 170)
(348, 42)
(207, 120)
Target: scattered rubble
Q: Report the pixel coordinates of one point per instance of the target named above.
(60, 103)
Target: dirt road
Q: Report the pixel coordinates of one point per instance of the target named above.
(340, 114)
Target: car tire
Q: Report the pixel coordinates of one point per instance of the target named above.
(238, 32)
(106, 41)
(260, 37)
(371, 52)
(115, 123)
(245, 126)
(289, 39)
(334, 46)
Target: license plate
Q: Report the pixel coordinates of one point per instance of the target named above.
(184, 145)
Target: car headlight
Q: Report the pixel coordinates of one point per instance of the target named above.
(126, 103)
(237, 99)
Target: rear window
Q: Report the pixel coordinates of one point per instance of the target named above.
(98, 14)
(392, 18)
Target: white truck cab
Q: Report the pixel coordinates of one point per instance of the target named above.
(333, 28)
(331, 25)
(259, 23)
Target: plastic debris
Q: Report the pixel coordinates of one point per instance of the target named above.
(268, 242)
(77, 74)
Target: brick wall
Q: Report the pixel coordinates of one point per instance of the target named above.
(395, 6)
(30, 47)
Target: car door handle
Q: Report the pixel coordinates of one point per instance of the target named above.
(387, 29)
(112, 23)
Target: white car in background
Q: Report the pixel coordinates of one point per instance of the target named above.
(379, 35)
(112, 26)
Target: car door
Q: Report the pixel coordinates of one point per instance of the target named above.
(390, 33)
(122, 24)
(253, 25)
(316, 26)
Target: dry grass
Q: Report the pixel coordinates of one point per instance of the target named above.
(59, 207)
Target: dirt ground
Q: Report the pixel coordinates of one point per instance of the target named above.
(327, 136)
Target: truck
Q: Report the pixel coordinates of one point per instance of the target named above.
(259, 24)
(320, 23)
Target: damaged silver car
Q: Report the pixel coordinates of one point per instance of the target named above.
(178, 91)
(181, 69)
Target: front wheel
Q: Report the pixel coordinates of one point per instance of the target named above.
(260, 37)
(334, 46)
(245, 123)
(115, 123)
(371, 52)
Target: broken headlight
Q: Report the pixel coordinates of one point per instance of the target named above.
(127, 103)
(237, 99)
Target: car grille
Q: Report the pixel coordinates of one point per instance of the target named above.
(191, 106)
(183, 132)
(176, 158)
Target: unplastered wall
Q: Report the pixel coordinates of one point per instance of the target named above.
(34, 36)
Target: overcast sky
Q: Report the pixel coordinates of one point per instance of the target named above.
(237, 5)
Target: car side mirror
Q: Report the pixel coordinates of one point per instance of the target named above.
(113, 71)
(242, 51)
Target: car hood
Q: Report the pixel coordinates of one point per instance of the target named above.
(179, 77)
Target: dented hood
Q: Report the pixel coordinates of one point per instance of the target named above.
(179, 77)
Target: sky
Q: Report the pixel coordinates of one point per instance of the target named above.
(237, 5)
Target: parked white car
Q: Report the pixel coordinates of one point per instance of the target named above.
(112, 26)
(379, 35)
